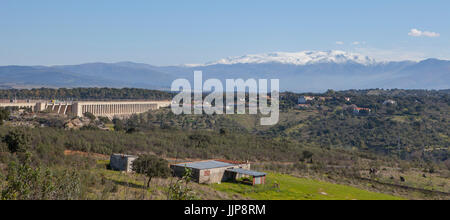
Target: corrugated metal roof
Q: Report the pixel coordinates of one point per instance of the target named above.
(247, 172)
(202, 165)
(124, 155)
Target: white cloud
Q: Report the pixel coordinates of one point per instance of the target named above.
(339, 43)
(418, 33)
(356, 43)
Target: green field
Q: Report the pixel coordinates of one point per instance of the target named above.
(293, 188)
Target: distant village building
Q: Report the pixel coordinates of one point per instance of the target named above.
(305, 99)
(389, 102)
(359, 111)
(323, 99)
(348, 99)
(122, 162)
(217, 171)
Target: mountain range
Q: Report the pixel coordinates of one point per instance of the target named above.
(307, 71)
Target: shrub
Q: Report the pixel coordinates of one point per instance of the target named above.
(24, 182)
(180, 190)
(90, 116)
(18, 140)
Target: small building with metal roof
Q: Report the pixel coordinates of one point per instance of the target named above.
(258, 177)
(216, 171)
(207, 164)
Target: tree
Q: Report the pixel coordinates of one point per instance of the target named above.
(223, 131)
(18, 140)
(118, 125)
(151, 166)
(307, 155)
(104, 120)
(90, 116)
(330, 92)
(200, 140)
(4, 115)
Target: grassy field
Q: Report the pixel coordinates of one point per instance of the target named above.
(290, 188)
(107, 184)
(293, 188)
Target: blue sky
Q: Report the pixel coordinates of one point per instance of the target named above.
(169, 32)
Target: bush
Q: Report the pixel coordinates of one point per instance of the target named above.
(24, 182)
(180, 190)
(90, 116)
(18, 140)
(3, 147)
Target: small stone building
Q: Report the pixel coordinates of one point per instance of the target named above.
(217, 171)
(122, 162)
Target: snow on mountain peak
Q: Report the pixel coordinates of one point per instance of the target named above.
(298, 58)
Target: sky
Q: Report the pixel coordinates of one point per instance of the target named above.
(169, 32)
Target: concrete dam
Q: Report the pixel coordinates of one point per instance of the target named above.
(98, 108)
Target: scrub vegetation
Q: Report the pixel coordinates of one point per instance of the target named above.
(322, 150)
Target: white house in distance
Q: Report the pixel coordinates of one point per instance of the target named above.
(389, 102)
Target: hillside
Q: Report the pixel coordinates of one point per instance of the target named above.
(399, 148)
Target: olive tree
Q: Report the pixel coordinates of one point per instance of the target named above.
(151, 166)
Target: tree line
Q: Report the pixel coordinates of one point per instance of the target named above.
(85, 94)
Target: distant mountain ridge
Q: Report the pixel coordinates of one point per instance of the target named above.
(298, 58)
(300, 72)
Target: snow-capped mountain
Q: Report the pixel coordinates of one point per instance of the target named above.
(297, 58)
(307, 71)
